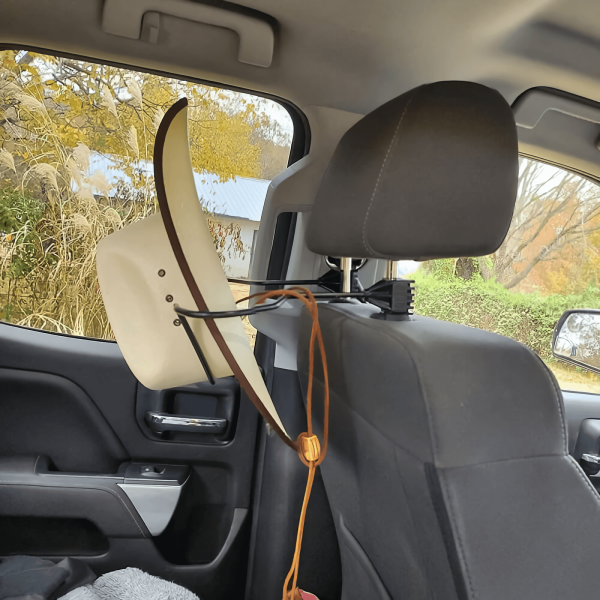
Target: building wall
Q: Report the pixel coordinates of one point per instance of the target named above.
(235, 265)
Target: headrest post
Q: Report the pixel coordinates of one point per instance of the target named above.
(346, 268)
(391, 270)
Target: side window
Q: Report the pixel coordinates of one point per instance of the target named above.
(76, 144)
(548, 263)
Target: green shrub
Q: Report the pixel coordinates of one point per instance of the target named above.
(528, 318)
(20, 214)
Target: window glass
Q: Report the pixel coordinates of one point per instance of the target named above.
(76, 143)
(548, 263)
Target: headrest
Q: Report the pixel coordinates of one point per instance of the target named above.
(430, 174)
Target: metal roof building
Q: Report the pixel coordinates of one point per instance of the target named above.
(241, 197)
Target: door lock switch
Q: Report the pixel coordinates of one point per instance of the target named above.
(152, 471)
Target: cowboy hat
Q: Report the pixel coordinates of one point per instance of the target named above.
(169, 259)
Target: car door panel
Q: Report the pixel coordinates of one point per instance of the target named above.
(75, 403)
(60, 417)
(578, 407)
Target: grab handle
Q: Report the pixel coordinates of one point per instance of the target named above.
(124, 18)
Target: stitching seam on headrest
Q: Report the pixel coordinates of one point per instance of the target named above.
(366, 244)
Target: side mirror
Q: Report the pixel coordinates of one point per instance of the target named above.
(576, 338)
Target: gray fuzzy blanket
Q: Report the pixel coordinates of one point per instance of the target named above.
(130, 584)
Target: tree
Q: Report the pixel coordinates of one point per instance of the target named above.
(555, 214)
(56, 114)
(114, 111)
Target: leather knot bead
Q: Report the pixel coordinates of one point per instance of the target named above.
(311, 448)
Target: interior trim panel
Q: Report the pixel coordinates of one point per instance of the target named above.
(80, 468)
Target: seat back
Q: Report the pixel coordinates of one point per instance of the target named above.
(448, 471)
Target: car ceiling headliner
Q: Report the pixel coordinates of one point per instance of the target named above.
(347, 54)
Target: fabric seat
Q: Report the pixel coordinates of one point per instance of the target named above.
(448, 470)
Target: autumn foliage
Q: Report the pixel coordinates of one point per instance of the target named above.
(57, 116)
(549, 262)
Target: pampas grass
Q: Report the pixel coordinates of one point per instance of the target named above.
(29, 102)
(98, 182)
(48, 274)
(108, 100)
(46, 172)
(136, 93)
(82, 154)
(61, 293)
(74, 171)
(132, 141)
(59, 290)
(6, 160)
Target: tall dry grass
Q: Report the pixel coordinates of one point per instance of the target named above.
(59, 291)
(54, 211)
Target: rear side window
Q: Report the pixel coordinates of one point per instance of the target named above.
(548, 263)
(76, 144)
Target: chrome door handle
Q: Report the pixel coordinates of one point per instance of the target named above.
(590, 463)
(161, 422)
